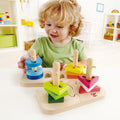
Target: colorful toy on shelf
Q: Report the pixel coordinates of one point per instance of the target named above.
(74, 69)
(4, 18)
(27, 22)
(108, 36)
(110, 24)
(115, 11)
(1, 20)
(56, 89)
(88, 82)
(118, 38)
(33, 72)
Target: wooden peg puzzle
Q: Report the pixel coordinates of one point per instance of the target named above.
(71, 94)
(72, 99)
(74, 69)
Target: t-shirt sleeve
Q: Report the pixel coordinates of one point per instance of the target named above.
(38, 47)
(81, 52)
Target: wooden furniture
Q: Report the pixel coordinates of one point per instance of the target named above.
(111, 26)
(12, 28)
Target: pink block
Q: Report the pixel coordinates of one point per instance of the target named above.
(86, 82)
(95, 89)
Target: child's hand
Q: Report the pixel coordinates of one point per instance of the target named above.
(62, 66)
(21, 63)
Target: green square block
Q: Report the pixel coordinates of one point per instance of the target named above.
(51, 99)
(8, 40)
(55, 96)
(55, 89)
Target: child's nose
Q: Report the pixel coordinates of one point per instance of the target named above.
(54, 30)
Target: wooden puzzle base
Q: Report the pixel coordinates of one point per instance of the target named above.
(47, 75)
(74, 99)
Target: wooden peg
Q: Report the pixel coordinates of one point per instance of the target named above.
(75, 58)
(33, 58)
(33, 55)
(56, 73)
(89, 69)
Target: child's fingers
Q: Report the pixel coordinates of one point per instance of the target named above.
(20, 65)
(63, 65)
(25, 69)
(23, 58)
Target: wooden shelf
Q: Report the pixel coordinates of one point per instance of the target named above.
(10, 25)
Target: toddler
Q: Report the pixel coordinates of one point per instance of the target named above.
(61, 20)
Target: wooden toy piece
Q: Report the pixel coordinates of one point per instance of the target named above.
(56, 73)
(55, 96)
(74, 69)
(75, 58)
(95, 89)
(33, 58)
(89, 69)
(88, 85)
(72, 100)
(56, 89)
(34, 72)
(51, 100)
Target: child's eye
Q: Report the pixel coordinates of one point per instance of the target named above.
(48, 24)
(60, 26)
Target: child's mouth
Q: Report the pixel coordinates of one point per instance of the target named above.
(53, 36)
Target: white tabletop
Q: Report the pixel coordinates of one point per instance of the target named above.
(20, 103)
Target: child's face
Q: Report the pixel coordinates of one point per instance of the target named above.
(55, 31)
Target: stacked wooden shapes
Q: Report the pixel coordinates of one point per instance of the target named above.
(34, 72)
(88, 82)
(56, 90)
(74, 69)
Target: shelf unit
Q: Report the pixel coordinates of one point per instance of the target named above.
(111, 31)
(13, 28)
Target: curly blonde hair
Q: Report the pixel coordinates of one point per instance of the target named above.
(68, 12)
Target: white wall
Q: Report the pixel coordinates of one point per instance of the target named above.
(88, 12)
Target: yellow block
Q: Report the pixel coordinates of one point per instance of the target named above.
(29, 23)
(23, 21)
(78, 70)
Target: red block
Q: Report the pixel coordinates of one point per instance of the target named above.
(95, 89)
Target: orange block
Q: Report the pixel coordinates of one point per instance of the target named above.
(71, 73)
(72, 76)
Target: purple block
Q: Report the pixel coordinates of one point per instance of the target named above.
(88, 84)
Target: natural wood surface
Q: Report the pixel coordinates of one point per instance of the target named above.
(75, 58)
(33, 58)
(56, 73)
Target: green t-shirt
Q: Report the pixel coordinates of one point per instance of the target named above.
(50, 53)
